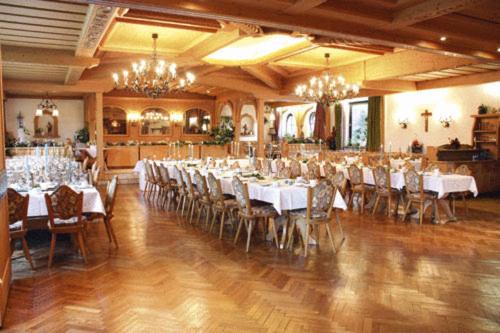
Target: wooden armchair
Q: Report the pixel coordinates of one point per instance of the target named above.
(414, 184)
(220, 204)
(383, 189)
(18, 221)
(64, 208)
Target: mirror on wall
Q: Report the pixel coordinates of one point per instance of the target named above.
(115, 121)
(46, 126)
(155, 121)
(196, 121)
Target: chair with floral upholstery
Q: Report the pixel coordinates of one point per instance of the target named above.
(151, 180)
(250, 215)
(18, 221)
(329, 169)
(204, 200)
(295, 169)
(286, 173)
(280, 165)
(235, 165)
(220, 203)
(431, 167)
(383, 189)
(258, 165)
(266, 167)
(193, 195)
(64, 207)
(318, 212)
(109, 204)
(223, 164)
(358, 187)
(212, 164)
(414, 184)
(313, 170)
(340, 182)
(463, 170)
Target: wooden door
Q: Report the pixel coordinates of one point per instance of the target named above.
(5, 268)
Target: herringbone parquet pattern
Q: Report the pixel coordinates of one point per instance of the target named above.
(388, 276)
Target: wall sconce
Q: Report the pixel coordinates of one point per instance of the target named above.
(133, 118)
(445, 120)
(403, 122)
(176, 118)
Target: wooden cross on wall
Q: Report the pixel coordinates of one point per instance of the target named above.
(426, 115)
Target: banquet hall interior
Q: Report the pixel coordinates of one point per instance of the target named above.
(250, 166)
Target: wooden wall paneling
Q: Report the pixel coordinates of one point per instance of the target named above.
(89, 116)
(259, 107)
(98, 100)
(5, 255)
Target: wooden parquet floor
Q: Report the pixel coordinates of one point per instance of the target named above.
(388, 276)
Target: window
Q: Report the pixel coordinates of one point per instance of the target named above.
(311, 120)
(197, 121)
(358, 124)
(290, 129)
(155, 122)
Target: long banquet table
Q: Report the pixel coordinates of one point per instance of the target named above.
(283, 197)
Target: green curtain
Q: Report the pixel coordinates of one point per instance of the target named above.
(338, 125)
(374, 121)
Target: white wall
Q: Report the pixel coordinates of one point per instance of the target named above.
(459, 102)
(249, 109)
(71, 114)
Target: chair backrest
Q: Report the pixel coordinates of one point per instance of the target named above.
(235, 165)
(414, 182)
(266, 166)
(319, 198)
(64, 203)
(178, 177)
(95, 176)
(187, 181)
(431, 167)
(85, 163)
(201, 184)
(149, 170)
(216, 194)
(382, 177)
(340, 182)
(18, 207)
(285, 172)
(280, 165)
(258, 164)
(355, 175)
(156, 172)
(242, 197)
(93, 167)
(295, 169)
(164, 176)
(109, 201)
(313, 170)
(329, 169)
(463, 170)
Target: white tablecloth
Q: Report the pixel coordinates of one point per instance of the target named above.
(92, 202)
(398, 163)
(284, 197)
(441, 184)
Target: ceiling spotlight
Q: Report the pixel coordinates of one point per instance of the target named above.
(443, 38)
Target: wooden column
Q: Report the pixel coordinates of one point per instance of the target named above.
(237, 105)
(259, 107)
(89, 118)
(99, 124)
(5, 255)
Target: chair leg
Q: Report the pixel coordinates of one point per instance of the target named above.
(306, 241)
(375, 205)
(362, 202)
(407, 208)
(389, 204)
(275, 232)
(465, 204)
(222, 223)
(330, 236)
(52, 248)
(240, 224)
(212, 224)
(421, 212)
(82, 246)
(249, 233)
(27, 252)
(291, 236)
(111, 231)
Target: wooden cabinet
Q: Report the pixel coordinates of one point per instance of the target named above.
(216, 151)
(486, 133)
(121, 157)
(486, 173)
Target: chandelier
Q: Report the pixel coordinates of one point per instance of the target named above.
(154, 116)
(46, 105)
(326, 89)
(154, 77)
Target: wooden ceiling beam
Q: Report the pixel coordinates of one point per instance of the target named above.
(50, 57)
(428, 10)
(391, 84)
(463, 80)
(301, 6)
(308, 23)
(245, 86)
(265, 74)
(36, 87)
(173, 21)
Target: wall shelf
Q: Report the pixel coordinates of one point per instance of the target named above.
(486, 133)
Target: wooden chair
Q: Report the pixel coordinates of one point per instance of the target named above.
(85, 164)
(192, 194)
(329, 169)
(358, 186)
(250, 216)
(295, 169)
(18, 221)
(431, 167)
(340, 182)
(64, 208)
(280, 165)
(168, 186)
(220, 204)
(109, 204)
(94, 174)
(258, 165)
(318, 212)
(235, 165)
(414, 184)
(285, 172)
(266, 167)
(383, 189)
(313, 170)
(151, 180)
(204, 200)
(464, 171)
(181, 191)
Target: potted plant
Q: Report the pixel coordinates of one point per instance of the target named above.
(482, 109)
